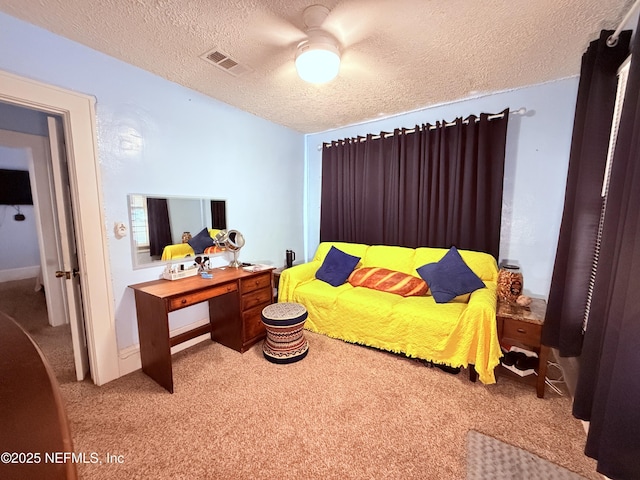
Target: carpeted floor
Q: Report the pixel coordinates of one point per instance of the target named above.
(344, 412)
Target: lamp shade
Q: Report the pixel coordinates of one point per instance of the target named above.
(317, 62)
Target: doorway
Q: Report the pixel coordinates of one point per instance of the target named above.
(78, 118)
(34, 241)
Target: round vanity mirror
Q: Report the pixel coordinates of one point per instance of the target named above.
(235, 241)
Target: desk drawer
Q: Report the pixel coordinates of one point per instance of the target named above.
(201, 295)
(254, 283)
(524, 332)
(253, 326)
(256, 298)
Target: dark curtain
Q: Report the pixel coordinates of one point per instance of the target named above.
(436, 186)
(583, 203)
(218, 214)
(608, 389)
(159, 226)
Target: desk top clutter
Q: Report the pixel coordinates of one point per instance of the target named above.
(200, 266)
(176, 272)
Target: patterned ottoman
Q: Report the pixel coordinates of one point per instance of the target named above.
(285, 342)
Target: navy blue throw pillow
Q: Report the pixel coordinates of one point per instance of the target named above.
(449, 277)
(201, 241)
(336, 267)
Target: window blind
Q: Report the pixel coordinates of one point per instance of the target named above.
(623, 75)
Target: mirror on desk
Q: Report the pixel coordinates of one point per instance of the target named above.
(157, 222)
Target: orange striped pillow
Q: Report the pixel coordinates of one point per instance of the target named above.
(388, 281)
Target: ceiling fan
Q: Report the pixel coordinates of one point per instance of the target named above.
(318, 56)
(329, 35)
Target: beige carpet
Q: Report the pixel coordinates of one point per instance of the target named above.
(344, 412)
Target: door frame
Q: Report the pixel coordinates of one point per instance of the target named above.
(79, 124)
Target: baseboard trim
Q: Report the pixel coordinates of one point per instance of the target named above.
(22, 273)
(129, 358)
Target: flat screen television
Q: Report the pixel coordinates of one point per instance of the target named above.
(15, 188)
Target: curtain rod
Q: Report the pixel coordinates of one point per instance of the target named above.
(520, 111)
(612, 41)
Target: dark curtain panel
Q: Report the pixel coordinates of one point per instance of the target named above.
(218, 214)
(583, 203)
(159, 227)
(608, 389)
(436, 186)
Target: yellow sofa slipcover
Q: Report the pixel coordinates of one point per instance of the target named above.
(457, 333)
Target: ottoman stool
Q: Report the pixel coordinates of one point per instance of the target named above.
(285, 342)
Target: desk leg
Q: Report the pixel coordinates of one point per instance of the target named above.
(153, 331)
(542, 370)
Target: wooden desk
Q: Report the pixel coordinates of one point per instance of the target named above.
(33, 417)
(522, 326)
(236, 299)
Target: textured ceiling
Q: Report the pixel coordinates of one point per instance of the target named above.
(397, 55)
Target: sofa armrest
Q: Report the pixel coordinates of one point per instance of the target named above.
(291, 277)
(481, 311)
(485, 298)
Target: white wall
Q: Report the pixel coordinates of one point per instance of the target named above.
(159, 138)
(19, 250)
(537, 157)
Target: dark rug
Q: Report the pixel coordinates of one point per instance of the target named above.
(491, 459)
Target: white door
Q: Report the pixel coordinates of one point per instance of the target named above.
(68, 272)
(48, 238)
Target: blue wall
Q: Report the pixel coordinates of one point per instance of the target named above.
(23, 120)
(537, 157)
(157, 137)
(19, 247)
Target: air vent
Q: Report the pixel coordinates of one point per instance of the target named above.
(225, 62)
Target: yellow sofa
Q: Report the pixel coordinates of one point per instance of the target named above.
(458, 333)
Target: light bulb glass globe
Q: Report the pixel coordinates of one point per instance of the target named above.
(318, 65)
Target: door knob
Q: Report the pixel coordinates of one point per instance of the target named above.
(75, 272)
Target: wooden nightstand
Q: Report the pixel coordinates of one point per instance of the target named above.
(522, 327)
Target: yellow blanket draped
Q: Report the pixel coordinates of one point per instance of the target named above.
(454, 333)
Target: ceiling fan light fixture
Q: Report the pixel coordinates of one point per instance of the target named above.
(317, 61)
